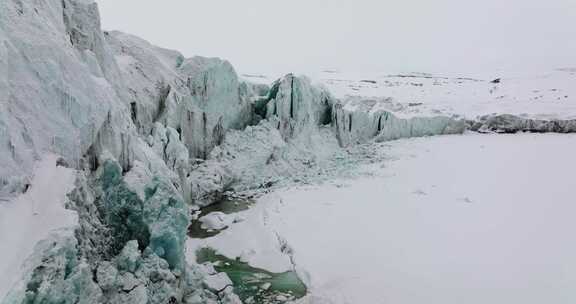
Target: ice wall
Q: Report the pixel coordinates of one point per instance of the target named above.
(358, 120)
(200, 97)
(296, 104)
(506, 123)
(55, 95)
(291, 138)
(128, 246)
(65, 89)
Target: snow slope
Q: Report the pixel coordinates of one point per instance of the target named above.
(32, 217)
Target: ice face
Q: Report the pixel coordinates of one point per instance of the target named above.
(60, 278)
(87, 92)
(53, 97)
(357, 120)
(297, 105)
(506, 123)
(128, 246)
(121, 209)
(201, 97)
(159, 221)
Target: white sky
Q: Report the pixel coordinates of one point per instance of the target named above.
(263, 36)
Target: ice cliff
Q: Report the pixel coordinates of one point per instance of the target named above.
(128, 117)
(138, 124)
(508, 123)
(57, 83)
(358, 120)
(151, 134)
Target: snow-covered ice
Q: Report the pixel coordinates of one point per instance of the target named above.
(33, 217)
(251, 240)
(449, 219)
(218, 220)
(463, 219)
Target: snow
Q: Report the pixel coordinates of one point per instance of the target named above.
(449, 219)
(33, 217)
(218, 220)
(464, 219)
(218, 281)
(252, 240)
(543, 95)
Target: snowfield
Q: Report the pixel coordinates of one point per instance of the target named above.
(449, 219)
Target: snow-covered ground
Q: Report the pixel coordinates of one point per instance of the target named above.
(32, 217)
(449, 219)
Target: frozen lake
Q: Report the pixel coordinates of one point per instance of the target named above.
(469, 219)
(450, 219)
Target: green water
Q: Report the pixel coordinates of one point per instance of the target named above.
(255, 285)
(252, 285)
(227, 206)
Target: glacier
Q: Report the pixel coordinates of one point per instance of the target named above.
(152, 135)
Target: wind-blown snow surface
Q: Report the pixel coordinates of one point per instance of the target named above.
(33, 217)
(450, 219)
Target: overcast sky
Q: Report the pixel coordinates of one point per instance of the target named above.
(263, 36)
